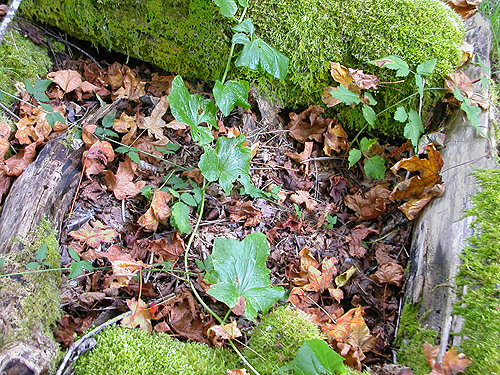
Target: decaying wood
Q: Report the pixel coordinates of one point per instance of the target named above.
(442, 229)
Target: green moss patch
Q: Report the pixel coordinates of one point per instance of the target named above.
(411, 336)
(20, 59)
(191, 38)
(480, 276)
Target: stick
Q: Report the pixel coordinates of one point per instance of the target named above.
(8, 17)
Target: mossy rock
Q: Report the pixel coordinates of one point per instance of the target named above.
(191, 38)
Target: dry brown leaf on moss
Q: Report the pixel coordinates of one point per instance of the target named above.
(389, 273)
(327, 98)
(466, 8)
(67, 80)
(335, 139)
(240, 211)
(363, 80)
(121, 183)
(302, 196)
(372, 205)
(340, 74)
(217, 334)
(158, 212)
(451, 363)
(308, 125)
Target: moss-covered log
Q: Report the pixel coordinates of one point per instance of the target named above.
(191, 38)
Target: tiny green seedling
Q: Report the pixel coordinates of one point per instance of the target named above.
(78, 265)
(40, 256)
(332, 221)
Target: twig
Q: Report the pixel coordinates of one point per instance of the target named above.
(8, 18)
(9, 112)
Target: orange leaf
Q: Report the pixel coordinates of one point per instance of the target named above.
(319, 281)
(94, 234)
(451, 363)
(223, 332)
(141, 316)
(351, 320)
(97, 157)
(15, 165)
(371, 206)
(158, 211)
(68, 80)
(121, 183)
(154, 123)
(466, 8)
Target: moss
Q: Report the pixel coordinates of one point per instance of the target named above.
(278, 337)
(480, 276)
(20, 59)
(191, 38)
(411, 336)
(36, 294)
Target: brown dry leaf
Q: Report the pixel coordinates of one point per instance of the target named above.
(363, 80)
(15, 165)
(67, 327)
(160, 85)
(304, 155)
(124, 124)
(25, 132)
(154, 123)
(240, 211)
(414, 206)
(168, 249)
(93, 234)
(97, 158)
(3, 9)
(67, 80)
(466, 8)
(241, 371)
(467, 53)
(302, 196)
(217, 334)
(389, 273)
(124, 267)
(308, 125)
(131, 88)
(91, 298)
(451, 363)
(5, 131)
(5, 182)
(148, 144)
(340, 74)
(4, 147)
(335, 139)
(460, 80)
(306, 260)
(239, 308)
(141, 316)
(195, 175)
(158, 211)
(321, 280)
(121, 183)
(176, 125)
(115, 75)
(359, 233)
(371, 206)
(418, 185)
(327, 98)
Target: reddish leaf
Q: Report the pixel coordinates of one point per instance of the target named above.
(240, 211)
(97, 157)
(319, 281)
(15, 165)
(168, 249)
(389, 273)
(121, 182)
(141, 316)
(94, 234)
(371, 206)
(217, 334)
(158, 211)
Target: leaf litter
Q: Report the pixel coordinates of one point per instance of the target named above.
(336, 241)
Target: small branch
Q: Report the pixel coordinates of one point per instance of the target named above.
(8, 18)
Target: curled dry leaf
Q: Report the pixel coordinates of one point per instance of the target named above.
(308, 125)
(302, 196)
(217, 334)
(158, 212)
(363, 80)
(141, 316)
(168, 249)
(237, 371)
(121, 183)
(131, 88)
(97, 158)
(359, 233)
(154, 123)
(195, 175)
(160, 85)
(414, 206)
(467, 53)
(15, 165)
(124, 123)
(94, 234)
(304, 155)
(240, 211)
(335, 139)
(327, 98)
(371, 206)
(124, 267)
(451, 363)
(67, 80)
(389, 273)
(466, 8)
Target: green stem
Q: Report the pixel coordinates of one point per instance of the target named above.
(245, 361)
(231, 51)
(227, 314)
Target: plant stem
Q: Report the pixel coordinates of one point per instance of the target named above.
(226, 316)
(231, 51)
(245, 361)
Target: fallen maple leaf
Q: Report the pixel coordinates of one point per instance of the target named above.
(319, 281)
(371, 206)
(389, 273)
(154, 123)
(124, 123)
(466, 8)
(451, 363)
(346, 324)
(15, 165)
(158, 212)
(141, 316)
(240, 211)
(414, 206)
(131, 88)
(223, 332)
(335, 139)
(94, 234)
(302, 196)
(308, 125)
(168, 248)
(67, 80)
(97, 157)
(359, 233)
(121, 183)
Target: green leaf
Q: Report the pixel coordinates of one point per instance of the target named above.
(189, 199)
(413, 128)
(42, 85)
(2, 96)
(472, 113)
(371, 99)
(87, 265)
(354, 156)
(457, 94)
(2, 262)
(76, 269)
(176, 182)
(180, 218)
(375, 167)
(29, 87)
(169, 148)
(230, 161)
(425, 69)
(366, 143)
(109, 120)
(122, 149)
(134, 156)
(33, 265)
(345, 96)
(147, 191)
(73, 254)
(54, 117)
(41, 253)
(245, 27)
(192, 110)
(41, 97)
(400, 114)
(47, 107)
(231, 94)
(242, 272)
(240, 38)
(228, 8)
(243, 3)
(172, 191)
(110, 133)
(394, 63)
(369, 114)
(257, 54)
(316, 357)
(419, 81)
